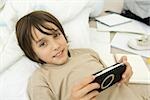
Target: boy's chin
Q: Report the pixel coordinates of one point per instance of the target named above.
(62, 61)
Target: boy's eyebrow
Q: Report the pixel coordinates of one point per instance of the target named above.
(51, 29)
(39, 40)
(54, 32)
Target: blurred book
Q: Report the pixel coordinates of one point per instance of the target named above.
(128, 26)
(141, 73)
(120, 41)
(113, 20)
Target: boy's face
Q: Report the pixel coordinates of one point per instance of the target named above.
(51, 49)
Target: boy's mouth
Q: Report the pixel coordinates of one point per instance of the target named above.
(58, 54)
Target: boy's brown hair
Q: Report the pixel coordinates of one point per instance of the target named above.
(24, 27)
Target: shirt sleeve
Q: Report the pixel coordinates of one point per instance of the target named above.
(97, 56)
(39, 89)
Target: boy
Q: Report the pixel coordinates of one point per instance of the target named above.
(65, 74)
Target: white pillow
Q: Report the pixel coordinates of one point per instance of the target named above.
(4, 35)
(74, 16)
(10, 53)
(77, 30)
(13, 82)
(96, 7)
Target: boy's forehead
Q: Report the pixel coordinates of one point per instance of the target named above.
(37, 34)
(51, 25)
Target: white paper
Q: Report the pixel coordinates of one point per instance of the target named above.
(120, 41)
(113, 20)
(141, 73)
(100, 41)
(132, 27)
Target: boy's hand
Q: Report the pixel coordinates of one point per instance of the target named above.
(128, 72)
(85, 90)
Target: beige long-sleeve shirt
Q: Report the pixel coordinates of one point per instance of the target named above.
(54, 82)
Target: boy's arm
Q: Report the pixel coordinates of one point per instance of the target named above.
(98, 57)
(38, 89)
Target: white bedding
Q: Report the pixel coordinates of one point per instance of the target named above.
(10, 52)
(13, 82)
(15, 68)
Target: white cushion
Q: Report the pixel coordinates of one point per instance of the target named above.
(13, 82)
(10, 53)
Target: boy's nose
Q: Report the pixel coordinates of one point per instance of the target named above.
(55, 45)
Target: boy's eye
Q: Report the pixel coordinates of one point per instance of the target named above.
(42, 44)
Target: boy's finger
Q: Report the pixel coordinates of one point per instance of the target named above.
(88, 89)
(84, 82)
(128, 71)
(123, 59)
(127, 74)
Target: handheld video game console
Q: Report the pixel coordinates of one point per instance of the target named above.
(109, 76)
